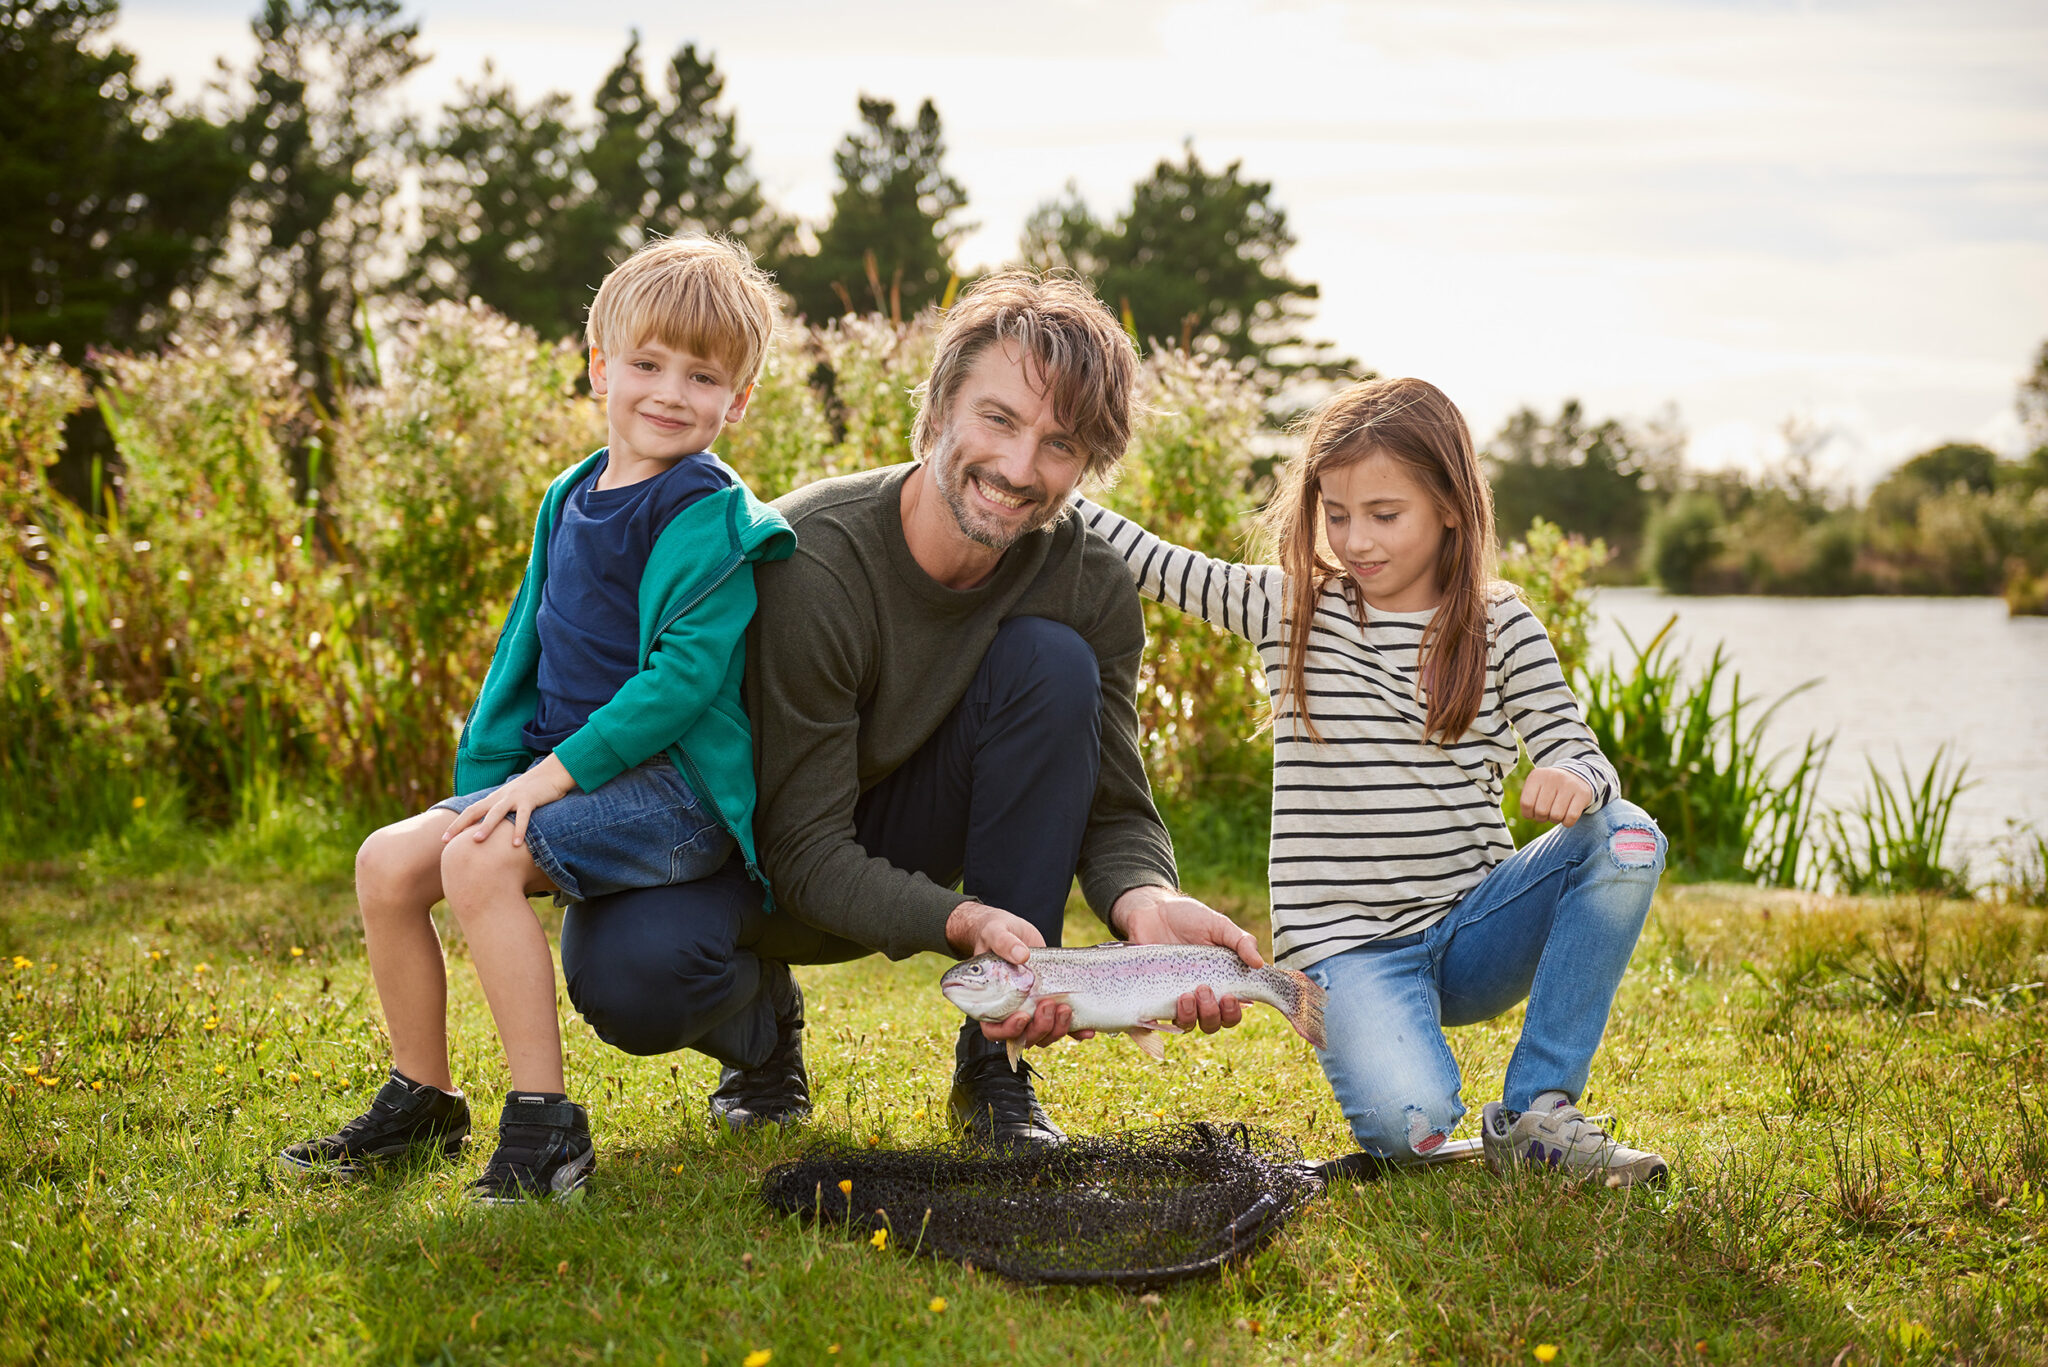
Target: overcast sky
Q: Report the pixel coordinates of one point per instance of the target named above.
(1747, 210)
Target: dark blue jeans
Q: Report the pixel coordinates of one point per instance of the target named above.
(995, 802)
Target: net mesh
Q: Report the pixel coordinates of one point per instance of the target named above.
(1137, 1209)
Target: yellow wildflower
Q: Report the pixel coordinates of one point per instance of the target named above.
(31, 1070)
(1545, 1351)
(48, 1081)
(316, 1075)
(99, 1086)
(140, 802)
(219, 1068)
(21, 963)
(203, 968)
(212, 1023)
(291, 1077)
(298, 953)
(881, 1239)
(846, 1187)
(832, 1350)
(938, 1305)
(758, 1358)
(679, 1169)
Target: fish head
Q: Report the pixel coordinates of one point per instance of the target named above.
(987, 987)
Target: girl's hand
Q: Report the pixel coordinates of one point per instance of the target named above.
(1555, 795)
(537, 787)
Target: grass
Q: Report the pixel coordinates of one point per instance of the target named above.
(1855, 1168)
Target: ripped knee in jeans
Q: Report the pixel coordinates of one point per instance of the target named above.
(1417, 1136)
(1633, 847)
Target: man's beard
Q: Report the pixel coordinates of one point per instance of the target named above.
(976, 525)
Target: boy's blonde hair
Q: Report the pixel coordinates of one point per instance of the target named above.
(703, 295)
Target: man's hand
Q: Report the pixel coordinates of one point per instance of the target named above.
(976, 928)
(1555, 795)
(537, 787)
(1162, 916)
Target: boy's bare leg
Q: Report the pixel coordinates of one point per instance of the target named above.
(487, 883)
(398, 881)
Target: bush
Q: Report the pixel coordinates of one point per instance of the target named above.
(276, 602)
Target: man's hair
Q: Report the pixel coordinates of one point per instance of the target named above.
(703, 295)
(1071, 344)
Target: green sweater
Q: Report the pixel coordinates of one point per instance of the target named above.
(856, 658)
(696, 598)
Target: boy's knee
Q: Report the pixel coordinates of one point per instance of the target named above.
(1406, 1129)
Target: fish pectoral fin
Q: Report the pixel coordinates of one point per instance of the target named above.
(1015, 1050)
(1165, 1027)
(1148, 1040)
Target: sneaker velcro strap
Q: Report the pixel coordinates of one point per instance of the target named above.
(560, 1115)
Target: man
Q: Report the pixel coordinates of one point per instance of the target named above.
(942, 684)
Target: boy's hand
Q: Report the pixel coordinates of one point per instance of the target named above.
(537, 787)
(1555, 795)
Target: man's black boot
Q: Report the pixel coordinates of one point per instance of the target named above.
(992, 1103)
(778, 1092)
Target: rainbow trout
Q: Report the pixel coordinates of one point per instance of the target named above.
(1133, 989)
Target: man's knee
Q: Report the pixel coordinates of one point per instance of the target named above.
(1406, 1129)
(650, 975)
(1051, 662)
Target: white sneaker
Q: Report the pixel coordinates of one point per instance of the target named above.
(1566, 1138)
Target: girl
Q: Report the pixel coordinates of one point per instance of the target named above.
(1400, 673)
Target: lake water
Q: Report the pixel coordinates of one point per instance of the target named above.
(1898, 677)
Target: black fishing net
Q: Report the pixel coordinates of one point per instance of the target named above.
(1138, 1209)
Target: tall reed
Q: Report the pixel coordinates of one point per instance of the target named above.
(1894, 840)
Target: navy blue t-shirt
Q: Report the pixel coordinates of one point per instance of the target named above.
(589, 623)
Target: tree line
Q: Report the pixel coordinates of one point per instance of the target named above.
(279, 199)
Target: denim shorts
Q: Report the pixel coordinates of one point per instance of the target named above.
(644, 829)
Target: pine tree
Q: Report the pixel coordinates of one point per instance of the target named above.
(895, 221)
(321, 141)
(1197, 254)
(114, 200)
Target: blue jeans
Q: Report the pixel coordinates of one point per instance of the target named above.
(997, 800)
(1555, 923)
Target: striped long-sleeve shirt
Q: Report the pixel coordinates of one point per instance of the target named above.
(1377, 832)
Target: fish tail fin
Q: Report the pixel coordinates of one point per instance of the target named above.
(1304, 1008)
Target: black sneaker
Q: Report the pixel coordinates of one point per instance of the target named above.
(405, 1117)
(778, 1092)
(544, 1150)
(993, 1103)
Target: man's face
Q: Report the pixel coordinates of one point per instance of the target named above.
(1003, 462)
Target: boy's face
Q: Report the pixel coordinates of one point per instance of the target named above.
(662, 404)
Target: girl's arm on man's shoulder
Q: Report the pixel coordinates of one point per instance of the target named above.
(1242, 599)
(1540, 704)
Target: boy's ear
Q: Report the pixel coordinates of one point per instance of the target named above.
(597, 377)
(738, 408)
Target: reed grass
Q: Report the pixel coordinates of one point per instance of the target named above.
(1894, 840)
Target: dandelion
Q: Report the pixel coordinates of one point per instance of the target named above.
(679, 1169)
(98, 1086)
(845, 1185)
(212, 1023)
(758, 1358)
(291, 1077)
(832, 1350)
(298, 953)
(31, 1070)
(139, 802)
(881, 1238)
(316, 1075)
(938, 1305)
(1545, 1351)
(155, 955)
(219, 1068)
(21, 963)
(203, 968)
(49, 1081)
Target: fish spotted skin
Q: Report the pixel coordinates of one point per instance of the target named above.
(1135, 989)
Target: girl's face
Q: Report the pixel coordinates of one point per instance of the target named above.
(1387, 529)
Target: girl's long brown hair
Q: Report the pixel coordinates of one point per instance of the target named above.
(1410, 421)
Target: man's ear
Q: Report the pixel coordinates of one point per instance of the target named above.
(597, 375)
(738, 408)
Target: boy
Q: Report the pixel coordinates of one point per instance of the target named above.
(609, 748)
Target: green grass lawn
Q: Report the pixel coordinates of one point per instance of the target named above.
(1854, 1096)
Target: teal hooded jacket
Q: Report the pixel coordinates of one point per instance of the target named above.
(696, 598)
